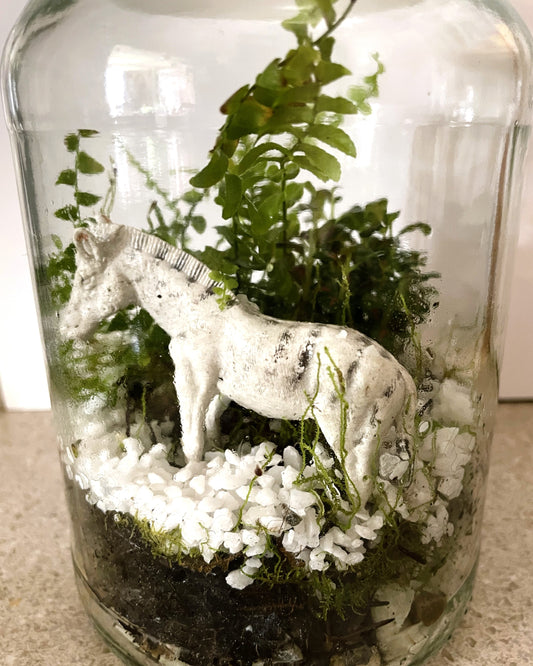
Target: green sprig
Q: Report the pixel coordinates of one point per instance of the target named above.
(84, 165)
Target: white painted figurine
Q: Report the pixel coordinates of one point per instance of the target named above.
(361, 396)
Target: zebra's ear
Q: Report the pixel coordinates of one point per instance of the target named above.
(87, 246)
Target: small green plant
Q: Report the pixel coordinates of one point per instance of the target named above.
(83, 164)
(127, 360)
(280, 131)
(284, 245)
(62, 263)
(60, 271)
(182, 211)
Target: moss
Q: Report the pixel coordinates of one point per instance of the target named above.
(398, 556)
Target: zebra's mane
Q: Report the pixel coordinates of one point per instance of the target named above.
(178, 259)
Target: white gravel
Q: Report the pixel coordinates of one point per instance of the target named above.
(226, 502)
(232, 503)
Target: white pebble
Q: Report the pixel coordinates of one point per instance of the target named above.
(171, 522)
(158, 452)
(133, 446)
(253, 514)
(216, 539)
(266, 497)
(214, 459)
(222, 480)
(453, 403)
(197, 483)
(251, 565)
(266, 480)
(354, 558)
(392, 467)
(192, 532)
(263, 451)
(172, 491)
(232, 458)
(289, 476)
(154, 479)
(300, 500)
(250, 537)
(182, 506)
(224, 520)
(317, 560)
(451, 486)
(274, 524)
(274, 473)
(247, 492)
(233, 542)
(275, 460)
(365, 532)
(209, 504)
(228, 500)
(238, 579)
(82, 481)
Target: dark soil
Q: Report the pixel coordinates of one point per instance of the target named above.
(214, 625)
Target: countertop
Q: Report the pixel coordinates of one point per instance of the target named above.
(42, 621)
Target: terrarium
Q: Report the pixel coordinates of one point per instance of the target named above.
(269, 243)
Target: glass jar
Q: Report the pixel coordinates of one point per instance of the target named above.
(269, 245)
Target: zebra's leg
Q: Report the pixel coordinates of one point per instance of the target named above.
(355, 446)
(195, 392)
(212, 420)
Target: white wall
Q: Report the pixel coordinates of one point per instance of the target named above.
(22, 375)
(517, 370)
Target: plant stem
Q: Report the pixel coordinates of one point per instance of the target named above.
(76, 183)
(312, 247)
(310, 261)
(236, 249)
(109, 200)
(151, 183)
(337, 23)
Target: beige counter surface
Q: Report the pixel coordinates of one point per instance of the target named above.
(42, 622)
